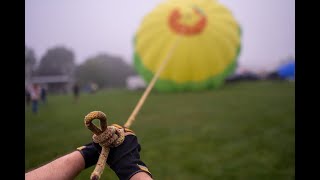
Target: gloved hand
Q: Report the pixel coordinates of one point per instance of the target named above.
(124, 159)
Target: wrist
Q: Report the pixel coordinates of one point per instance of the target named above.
(129, 166)
(141, 176)
(90, 153)
(125, 160)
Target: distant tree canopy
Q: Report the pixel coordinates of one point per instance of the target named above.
(30, 62)
(57, 61)
(105, 70)
(29, 57)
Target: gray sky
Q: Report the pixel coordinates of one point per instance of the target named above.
(89, 27)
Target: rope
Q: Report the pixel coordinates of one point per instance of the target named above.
(113, 136)
(107, 137)
(150, 86)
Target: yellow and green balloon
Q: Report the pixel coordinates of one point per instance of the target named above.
(207, 50)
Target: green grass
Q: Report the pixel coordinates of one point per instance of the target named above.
(241, 131)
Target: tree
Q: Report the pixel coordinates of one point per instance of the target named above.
(105, 70)
(29, 56)
(30, 62)
(57, 61)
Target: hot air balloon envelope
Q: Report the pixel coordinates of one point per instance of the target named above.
(208, 44)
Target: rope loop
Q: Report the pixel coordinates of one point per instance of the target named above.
(106, 136)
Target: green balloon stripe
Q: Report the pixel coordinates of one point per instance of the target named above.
(165, 85)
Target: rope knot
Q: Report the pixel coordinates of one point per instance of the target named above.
(106, 136)
(111, 137)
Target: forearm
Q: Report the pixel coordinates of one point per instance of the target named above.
(66, 167)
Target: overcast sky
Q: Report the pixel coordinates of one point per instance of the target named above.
(89, 27)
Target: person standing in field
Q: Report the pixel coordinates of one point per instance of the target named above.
(43, 94)
(35, 92)
(75, 90)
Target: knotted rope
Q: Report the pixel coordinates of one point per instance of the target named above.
(107, 136)
(112, 136)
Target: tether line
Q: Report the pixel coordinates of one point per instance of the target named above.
(151, 84)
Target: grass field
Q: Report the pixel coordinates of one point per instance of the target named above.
(242, 131)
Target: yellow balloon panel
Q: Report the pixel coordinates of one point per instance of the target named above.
(208, 39)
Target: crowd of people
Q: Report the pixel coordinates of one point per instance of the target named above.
(36, 94)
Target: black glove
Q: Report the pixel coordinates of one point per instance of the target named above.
(124, 159)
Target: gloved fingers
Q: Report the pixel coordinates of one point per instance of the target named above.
(126, 131)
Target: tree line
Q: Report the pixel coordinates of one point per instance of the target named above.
(105, 70)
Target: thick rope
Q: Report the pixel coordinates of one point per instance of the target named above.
(107, 136)
(151, 84)
(112, 136)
